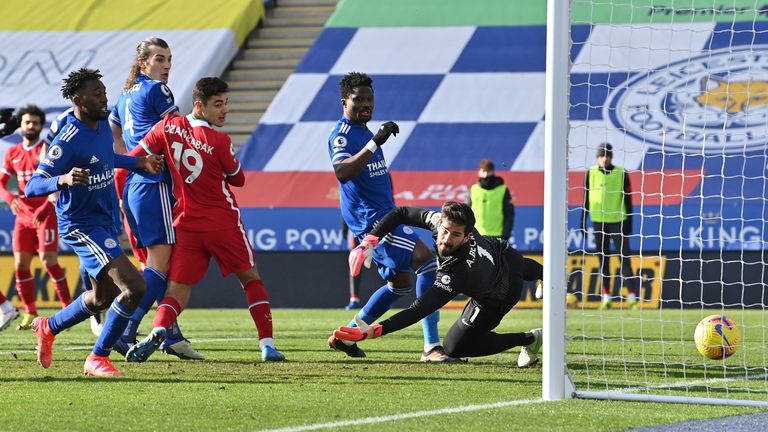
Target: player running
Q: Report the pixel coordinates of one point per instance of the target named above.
(203, 163)
(80, 164)
(147, 199)
(484, 268)
(35, 230)
(366, 196)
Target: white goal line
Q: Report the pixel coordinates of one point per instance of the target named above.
(405, 416)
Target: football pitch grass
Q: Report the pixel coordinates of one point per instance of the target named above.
(320, 389)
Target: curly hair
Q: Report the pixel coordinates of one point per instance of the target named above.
(76, 80)
(354, 79)
(31, 110)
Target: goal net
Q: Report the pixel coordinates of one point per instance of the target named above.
(680, 91)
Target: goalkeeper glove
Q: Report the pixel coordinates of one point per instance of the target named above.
(362, 254)
(361, 332)
(387, 129)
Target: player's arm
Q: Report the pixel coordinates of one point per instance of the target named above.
(627, 226)
(509, 215)
(152, 164)
(229, 163)
(46, 209)
(116, 124)
(585, 207)
(348, 166)
(412, 216)
(432, 300)
(6, 172)
(162, 100)
(52, 176)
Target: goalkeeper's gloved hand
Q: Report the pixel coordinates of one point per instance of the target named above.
(387, 129)
(362, 254)
(8, 122)
(361, 332)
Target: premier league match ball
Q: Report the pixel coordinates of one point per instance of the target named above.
(717, 337)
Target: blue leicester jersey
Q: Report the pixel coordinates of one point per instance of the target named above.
(77, 145)
(57, 125)
(137, 110)
(368, 196)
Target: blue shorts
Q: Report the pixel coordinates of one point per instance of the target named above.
(148, 208)
(395, 252)
(95, 246)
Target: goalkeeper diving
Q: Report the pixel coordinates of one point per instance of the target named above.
(484, 268)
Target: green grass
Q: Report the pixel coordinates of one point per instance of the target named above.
(234, 390)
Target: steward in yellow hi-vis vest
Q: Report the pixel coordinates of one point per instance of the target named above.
(491, 202)
(608, 202)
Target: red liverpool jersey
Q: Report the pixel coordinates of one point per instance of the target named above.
(21, 161)
(200, 160)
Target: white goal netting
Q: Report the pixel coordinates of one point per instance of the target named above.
(680, 91)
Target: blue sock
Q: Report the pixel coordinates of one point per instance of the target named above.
(75, 313)
(377, 305)
(425, 278)
(117, 319)
(156, 286)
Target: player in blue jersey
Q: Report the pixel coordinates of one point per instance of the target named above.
(148, 199)
(80, 165)
(366, 197)
(97, 321)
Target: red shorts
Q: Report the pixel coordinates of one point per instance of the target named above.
(43, 238)
(194, 249)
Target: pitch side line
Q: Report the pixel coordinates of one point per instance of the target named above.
(405, 416)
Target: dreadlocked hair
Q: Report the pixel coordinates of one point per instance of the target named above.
(76, 79)
(354, 79)
(142, 54)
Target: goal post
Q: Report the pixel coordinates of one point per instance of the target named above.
(680, 91)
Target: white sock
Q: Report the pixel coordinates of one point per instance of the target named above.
(7, 307)
(266, 342)
(428, 347)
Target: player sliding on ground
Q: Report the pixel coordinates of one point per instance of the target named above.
(207, 218)
(80, 164)
(484, 268)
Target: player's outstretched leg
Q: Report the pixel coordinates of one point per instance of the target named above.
(144, 348)
(529, 354)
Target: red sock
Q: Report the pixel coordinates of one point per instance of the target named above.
(167, 311)
(60, 283)
(25, 286)
(258, 306)
(2, 298)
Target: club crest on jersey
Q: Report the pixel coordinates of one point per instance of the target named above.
(110, 243)
(407, 230)
(445, 279)
(339, 142)
(55, 152)
(713, 103)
